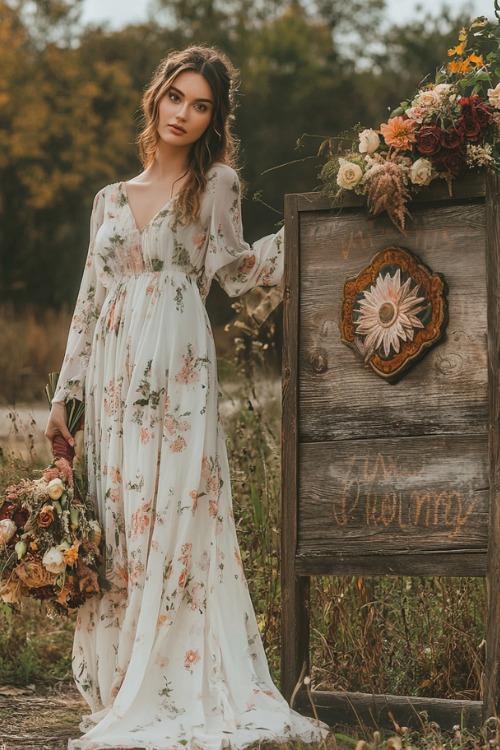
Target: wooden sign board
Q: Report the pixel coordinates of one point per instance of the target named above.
(391, 479)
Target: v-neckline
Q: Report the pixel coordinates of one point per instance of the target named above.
(124, 191)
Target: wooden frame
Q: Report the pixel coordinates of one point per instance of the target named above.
(465, 437)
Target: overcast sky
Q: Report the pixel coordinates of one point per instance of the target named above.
(121, 12)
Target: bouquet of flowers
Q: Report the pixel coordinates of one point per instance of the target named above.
(50, 540)
(450, 125)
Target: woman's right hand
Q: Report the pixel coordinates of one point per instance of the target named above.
(57, 424)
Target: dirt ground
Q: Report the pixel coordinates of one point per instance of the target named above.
(30, 720)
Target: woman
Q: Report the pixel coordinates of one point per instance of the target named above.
(171, 655)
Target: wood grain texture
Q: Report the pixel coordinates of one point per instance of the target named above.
(295, 591)
(388, 562)
(492, 668)
(447, 392)
(406, 494)
(373, 710)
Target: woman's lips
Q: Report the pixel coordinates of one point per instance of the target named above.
(177, 129)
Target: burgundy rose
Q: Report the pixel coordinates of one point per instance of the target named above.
(475, 118)
(6, 510)
(453, 162)
(428, 140)
(20, 517)
(452, 139)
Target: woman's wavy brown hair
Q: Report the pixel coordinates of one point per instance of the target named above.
(217, 144)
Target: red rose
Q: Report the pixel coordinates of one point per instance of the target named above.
(452, 162)
(428, 140)
(452, 139)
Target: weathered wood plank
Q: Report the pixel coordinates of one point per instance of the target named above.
(387, 562)
(406, 495)
(295, 591)
(341, 399)
(373, 710)
(470, 188)
(492, 668)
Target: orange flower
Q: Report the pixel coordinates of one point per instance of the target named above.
(398, 132)
(71, 554)
(458, 50)
(464, 66)
(476, 60)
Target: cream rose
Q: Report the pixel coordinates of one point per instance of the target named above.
(416, 113)
(7, 530)
(53, 561)
(95, 535)
(494, 96)
(428, 98)
(56, 488)
(349, 175)
(421, 172)
(442, 89)
(368, 141)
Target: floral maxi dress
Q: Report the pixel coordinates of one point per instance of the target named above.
(171, 656)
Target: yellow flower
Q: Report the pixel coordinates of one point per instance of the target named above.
(462, 37)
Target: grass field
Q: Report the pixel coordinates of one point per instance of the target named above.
(409, 636)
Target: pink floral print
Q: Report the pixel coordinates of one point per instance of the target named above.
(170, 657)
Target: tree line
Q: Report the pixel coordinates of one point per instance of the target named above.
(70, 96)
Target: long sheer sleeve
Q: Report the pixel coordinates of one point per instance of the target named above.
(88, 305)
(237, 266)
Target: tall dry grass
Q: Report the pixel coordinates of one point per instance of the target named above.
(31, 345)
(414, 636)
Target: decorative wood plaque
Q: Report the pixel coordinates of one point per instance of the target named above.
(402, 480)
(393, 312)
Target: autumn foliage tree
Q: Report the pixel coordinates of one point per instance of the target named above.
(69, 99)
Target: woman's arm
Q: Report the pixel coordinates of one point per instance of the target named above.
(233, 262)
(89, 302)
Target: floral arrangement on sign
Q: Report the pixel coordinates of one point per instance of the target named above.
(50, 540)
(450, 126)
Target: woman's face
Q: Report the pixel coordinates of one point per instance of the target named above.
(185, 110)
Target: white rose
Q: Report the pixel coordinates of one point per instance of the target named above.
(349, 174)
(53, 561)
(421, 172)
(7, 530)
(368, 141)
(56, 488)
(494, 96)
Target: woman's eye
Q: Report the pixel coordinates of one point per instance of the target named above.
(201, 107)
(174, 97)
